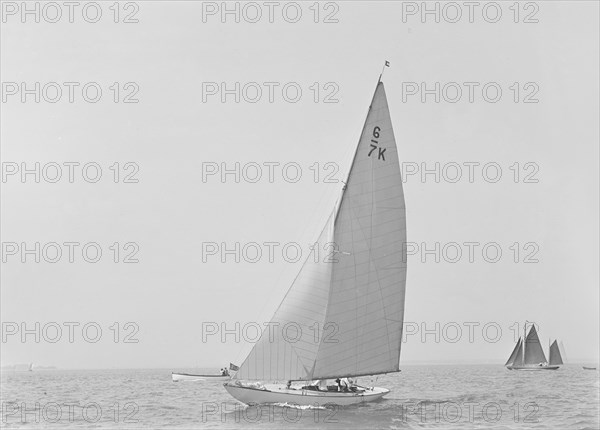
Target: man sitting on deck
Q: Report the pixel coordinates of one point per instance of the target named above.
(339, 384)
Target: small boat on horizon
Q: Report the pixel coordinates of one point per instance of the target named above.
(529, 355)
(224, 375)
(21, 367)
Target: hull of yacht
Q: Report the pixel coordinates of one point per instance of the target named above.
(270, 394)
(533, 368)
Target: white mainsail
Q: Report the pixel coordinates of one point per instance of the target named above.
(534, 354)
(357, 300)
(554, 355)
(367, 291)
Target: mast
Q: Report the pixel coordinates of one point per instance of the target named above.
(386, 64)
(524, 339)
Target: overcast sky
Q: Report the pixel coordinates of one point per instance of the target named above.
(180, 128)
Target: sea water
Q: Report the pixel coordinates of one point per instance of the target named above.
(437, 396)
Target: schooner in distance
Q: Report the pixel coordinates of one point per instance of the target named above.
(529, 355)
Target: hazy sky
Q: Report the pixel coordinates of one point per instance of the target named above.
(174, 134)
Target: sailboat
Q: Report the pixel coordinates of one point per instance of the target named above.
(529, 355)
(177, 377)
(355, 298)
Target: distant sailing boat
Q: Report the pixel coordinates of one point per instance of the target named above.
(529, 355)
(356, 300)
(178, 376)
